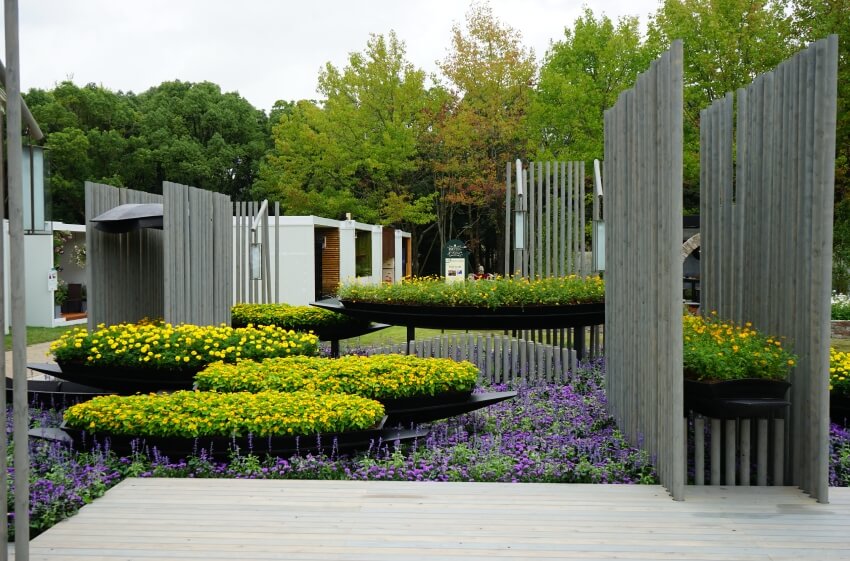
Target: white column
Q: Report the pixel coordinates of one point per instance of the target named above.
(347, 254)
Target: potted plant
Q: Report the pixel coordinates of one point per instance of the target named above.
(60, 295)
(153, 356)
(733, 370)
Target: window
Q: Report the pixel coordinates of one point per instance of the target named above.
(363, 254)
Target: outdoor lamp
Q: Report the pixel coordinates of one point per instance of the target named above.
(599, 245)
(519, 214)
(255, 260)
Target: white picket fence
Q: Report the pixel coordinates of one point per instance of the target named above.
(500, 358)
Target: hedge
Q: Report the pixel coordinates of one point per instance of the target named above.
(297, 318)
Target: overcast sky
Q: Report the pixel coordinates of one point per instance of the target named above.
(265, 50)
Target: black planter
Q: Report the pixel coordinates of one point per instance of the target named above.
(426, 409)
(469, 317)
(221, 446)
(839, 409)
(54, 393)
(127, 380)
(728, 399)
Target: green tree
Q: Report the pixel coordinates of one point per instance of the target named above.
(357, 151)
(193, 133)
(481, 126)
(580, 78)
(727, 44)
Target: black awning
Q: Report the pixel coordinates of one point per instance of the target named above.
(129, 217)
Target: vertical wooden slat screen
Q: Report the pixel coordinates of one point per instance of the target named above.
(124, 276)
(767, 247)
(198, 255)
(643, 298)
(554, 224)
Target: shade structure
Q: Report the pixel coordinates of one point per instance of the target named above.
(128, 217)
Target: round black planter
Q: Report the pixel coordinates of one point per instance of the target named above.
(127, 380)
(424, 400)
(221, 446)
(469, 317)
(839, 409)
(750, 397)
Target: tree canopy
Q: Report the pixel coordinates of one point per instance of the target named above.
(394, 146)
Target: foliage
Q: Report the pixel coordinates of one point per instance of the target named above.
(356, 152)
(296, 318)
(840, 306)
(181, 131)
(813, 20)
(177, 347)
(60, 295)
(727, 44)
(80, 256)
(376, 377)
(492, 293)
(841, 247)
(60, 238)
(61, 481)
(839, 372)
(839, 456)
(581, 76)
(194, 413)
(480, 126)
(721, 350)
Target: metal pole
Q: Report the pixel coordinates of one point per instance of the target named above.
(18, 292)
(4, 515)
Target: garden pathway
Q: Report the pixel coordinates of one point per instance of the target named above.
(172, 519)
(35, 353)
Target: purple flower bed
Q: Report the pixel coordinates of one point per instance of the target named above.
(549, 433)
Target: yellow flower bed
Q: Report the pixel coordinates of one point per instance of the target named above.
(177, 347)
(722, 350)
(493, 293)
(377, 377)
(194, 413)
(839, 372)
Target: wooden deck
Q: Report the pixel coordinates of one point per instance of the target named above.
(174, 519)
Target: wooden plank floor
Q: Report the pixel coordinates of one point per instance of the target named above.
(176, 519)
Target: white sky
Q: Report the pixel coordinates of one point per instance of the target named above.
(265, 50)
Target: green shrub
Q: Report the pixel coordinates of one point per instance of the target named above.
(840, 306)
(297, 318)
(498, 292)
(195, 413)
(177, 347)
(719, 350)
(376, 377)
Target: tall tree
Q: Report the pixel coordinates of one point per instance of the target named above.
(580, 78)
(357, 151)
(490, 76)
(813, 20)
(193, 133)
(86, 134)
(727, 44)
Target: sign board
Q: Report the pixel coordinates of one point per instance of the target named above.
(455, 269)
(455, 261)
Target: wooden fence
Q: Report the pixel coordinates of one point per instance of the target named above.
(245, 216)
(643, 294)
(124, 271)
(553, 203)
(767, 234)
(182, 273)
(198, 255)
(501, 359)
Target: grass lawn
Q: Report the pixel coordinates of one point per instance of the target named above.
(37, 335)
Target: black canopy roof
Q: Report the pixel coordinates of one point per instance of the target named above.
(129, 217)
